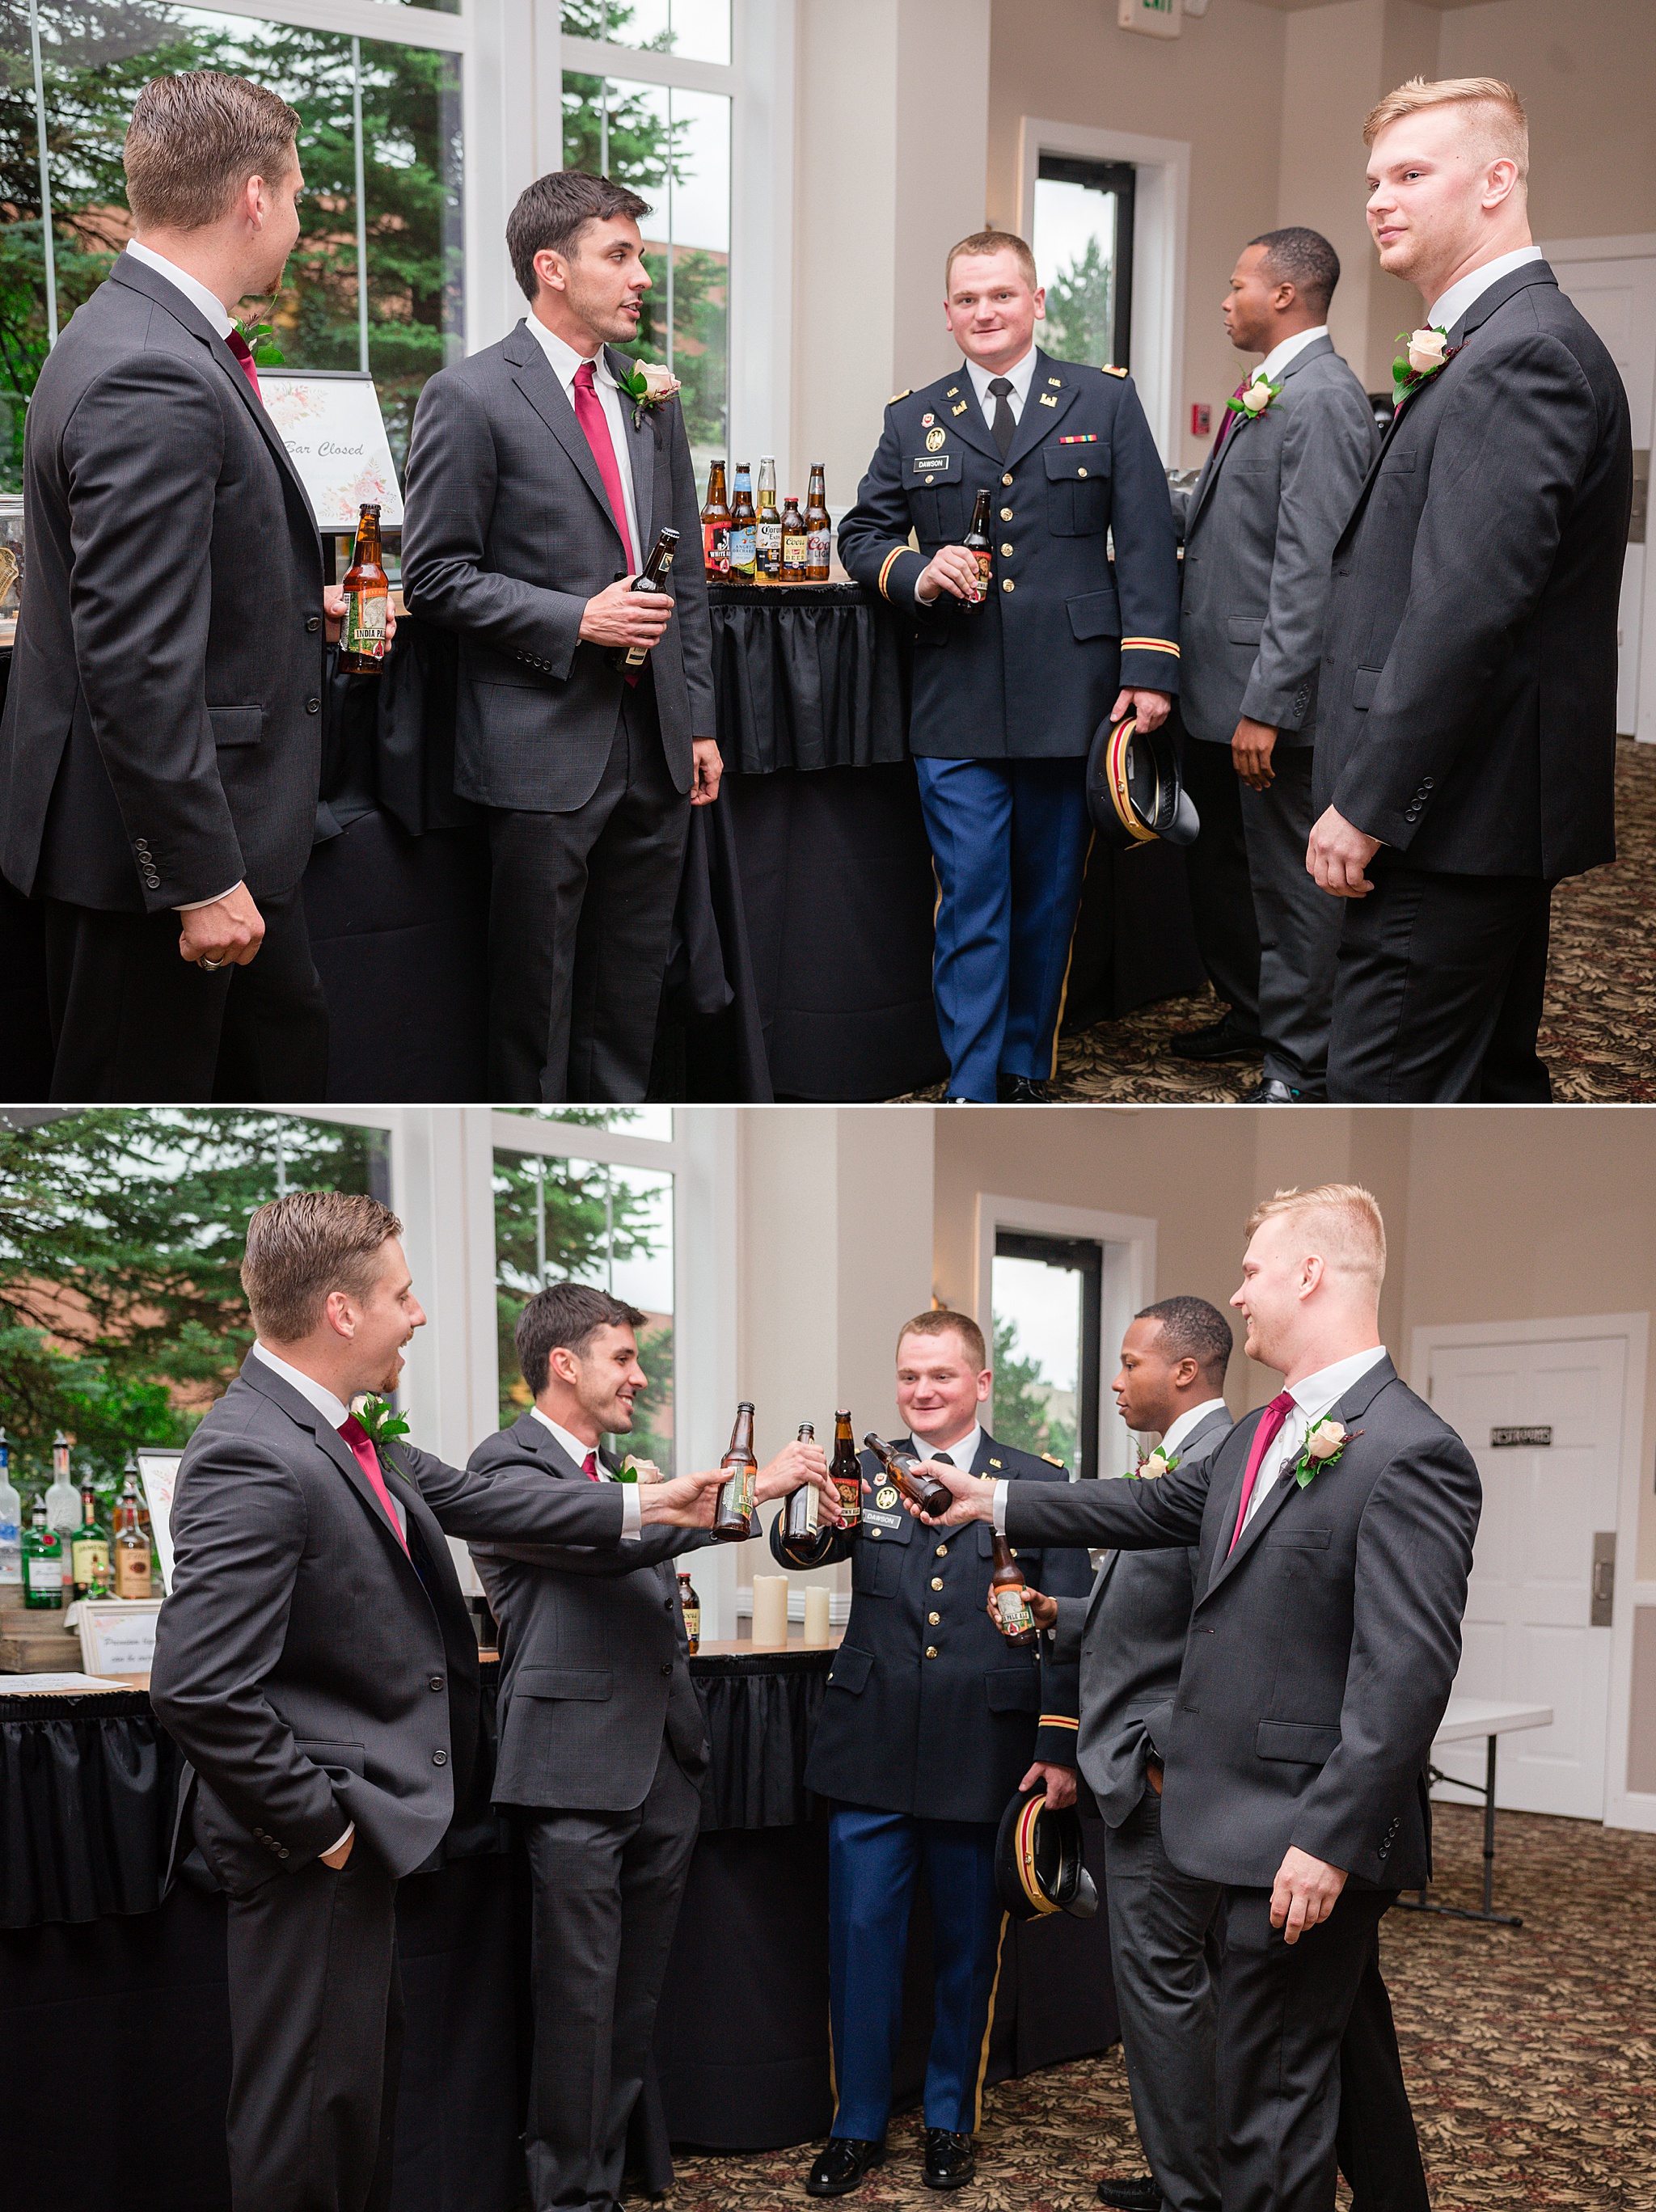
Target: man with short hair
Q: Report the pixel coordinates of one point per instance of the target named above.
(1259, 532)
(160, 749)
(602, 1742)
(1467, 734)
(1010, 686)
(537, 486)
(315, 1663)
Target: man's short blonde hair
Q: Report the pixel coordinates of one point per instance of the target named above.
(1494, 112)
(943, 1321)
(993, 241)
(193, 142)
(1344, 1224)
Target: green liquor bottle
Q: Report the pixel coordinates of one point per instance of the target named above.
(89, 1553)
(43, 1563)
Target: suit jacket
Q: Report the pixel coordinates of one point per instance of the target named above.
(311, 1671)
(1260, 525)
(162, 733)
(929, 1710)
(1129, 1635)
(1322, 1650)
(1032, 672)
(595, 1661)
(508, 533)
(1468, 680)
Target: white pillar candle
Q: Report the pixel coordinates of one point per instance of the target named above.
(816, 1614)
(770, 1610)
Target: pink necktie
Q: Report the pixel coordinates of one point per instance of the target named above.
(243, 353)
(1264, 1438)
(590, 413)
(368, 1459)
(1231, 416)
(589, 1467)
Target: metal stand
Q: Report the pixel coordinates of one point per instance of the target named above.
(1486, 1791)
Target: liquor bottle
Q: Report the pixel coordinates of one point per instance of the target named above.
(43, 1563)
(930, 1495)
(848, 1476)
(976, 542)
(368, 599)
(11, 1523)
(819, 528)
(1015, 1620)
(795, 543)
(744, 524)
(805, 1503)
(733, 1517)
(89, 1556)
(715, 526)
(690, 1605)
(133, 1576)
(652, 577)
(63, 1499)
(767, 543)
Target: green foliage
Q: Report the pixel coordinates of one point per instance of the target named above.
(1080, 310)
(1022, 1418)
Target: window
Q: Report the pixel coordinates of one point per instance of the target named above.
(1083, 245)
(1048, 1311)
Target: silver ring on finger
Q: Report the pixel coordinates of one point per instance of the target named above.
(211, 966)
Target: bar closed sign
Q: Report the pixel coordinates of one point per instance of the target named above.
(1524, 1439)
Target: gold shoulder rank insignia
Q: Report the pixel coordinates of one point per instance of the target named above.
(1051, 1460)
(896, 396)
(1110, 369)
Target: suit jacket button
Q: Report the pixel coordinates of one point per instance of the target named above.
(933, 1619)
(931, 1651)
(937, 1582)
(313, 706)
(281, 1851)
(942, 1551)
(436, 1682)
(667, 1602)
(312, 623)
(1007, 584)
(140, 845)
(440, 1759)
(1426, 783)
(667, 1668)
(1006, 480)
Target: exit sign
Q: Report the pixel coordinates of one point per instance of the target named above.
(1157, 19)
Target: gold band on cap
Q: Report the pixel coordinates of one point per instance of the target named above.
(1025, 1845)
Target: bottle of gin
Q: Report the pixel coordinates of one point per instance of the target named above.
(11, 1523)
(43, 1563)
(63, 1500)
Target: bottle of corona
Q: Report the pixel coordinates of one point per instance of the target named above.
(795, 543)
(976, 542)
(804, 1504)
(819, 528)
(1012, 1613)
(768, 539)
(652, 577)
(368, 599)
(715, 526)
(744, 527)
(848, 1476)
(733, 1517)
(930, 1495)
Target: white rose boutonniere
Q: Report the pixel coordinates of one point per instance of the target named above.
(1424, 353)
(1254, 398)
(1152, 1464)
(650, 385)
(1323, 1443)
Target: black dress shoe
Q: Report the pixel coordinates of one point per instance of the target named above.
(1130, 2193)
(951, 2161)
(842, 2166)
(1221, 1040)
(1272, 1092)
(1021, 1089)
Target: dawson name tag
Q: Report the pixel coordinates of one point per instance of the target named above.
(926, 467)
(884, 1520)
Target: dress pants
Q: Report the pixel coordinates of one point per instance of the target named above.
(316, 2027)
(580, 919)
(1221, 891)
(607, 1887)
(1009, 839)
(1298, 925)
(874, 1860)
(131, 1022)
(1438, 995)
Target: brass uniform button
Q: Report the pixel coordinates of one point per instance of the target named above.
(934, 1619)
(942, 1551)
(1080, 473)
(1007, 584)
(931, 1651)
(1006, 515)
(937, 1582)
(1006, 480)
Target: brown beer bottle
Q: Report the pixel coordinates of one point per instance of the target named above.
(805, 1503)
(848, 1476)
(715, 526)
(930, 1495)
(652, 577)
(976, 542)
(795, 545)
(744, 529)
(690, 1605)
(1013, 1615)
(819, 528)
(368, 599)
(733, 1518)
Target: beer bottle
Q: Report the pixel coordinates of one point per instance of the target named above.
(1016, 1621)
(733, 1518)
(715, 526)
(132, 1563)
(819, 528)
(652, 577)
(690, 1605)
(767, 544)
(368, 597)
(930, 1495)
(976, 543)
(744, 524)
(804, 1505)
(848, 1476)
(89, 1553)
(794, 541)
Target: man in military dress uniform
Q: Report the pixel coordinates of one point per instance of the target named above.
(1010, 686)
(931, 1723)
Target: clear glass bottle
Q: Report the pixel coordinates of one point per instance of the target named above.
(805, 1503)
(63, 1500)
(11, 1523)
(768, 538)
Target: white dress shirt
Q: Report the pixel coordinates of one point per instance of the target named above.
(963, 1451)
(1289, 349)
(1443, 315)
(1313, 1395)
(565, 361)
(631, 1525)
(1020, 378)
(1182, 1427)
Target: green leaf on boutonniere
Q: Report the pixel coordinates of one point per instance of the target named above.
(259, 338)
(1310, 1464)
(382, 1425)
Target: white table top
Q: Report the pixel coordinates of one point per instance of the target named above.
(1465, 1717)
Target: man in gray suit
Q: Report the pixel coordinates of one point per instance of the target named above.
(537, 484)
(1260, 528)
(602, 1742)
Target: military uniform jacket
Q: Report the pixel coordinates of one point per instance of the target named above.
(929, 1710)
(1032, 672)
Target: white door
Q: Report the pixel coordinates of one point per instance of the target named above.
(1528, 1635)
(1618, 298)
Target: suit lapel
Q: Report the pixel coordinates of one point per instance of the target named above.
(298, 1410)
(969, 426)
(1051, 396)
(533, 375)
(640, 457)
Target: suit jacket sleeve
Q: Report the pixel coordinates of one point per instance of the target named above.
(142, 455)
(689, 583)
(1066, 1631)
(873, 538)
(1066, 1575)
(1133, 1517)
(452, 479)
(514, 1502)
(1146, 551)
(1519, 432)
(650, 1548)
(1328, 441)
(827, 1549)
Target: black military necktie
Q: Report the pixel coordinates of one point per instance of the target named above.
(943, 1459)
(1005, 429)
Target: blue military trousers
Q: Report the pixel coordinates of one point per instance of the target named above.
(874, 1860)
(1009, 838)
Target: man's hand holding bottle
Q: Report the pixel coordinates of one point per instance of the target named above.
(795, 1464)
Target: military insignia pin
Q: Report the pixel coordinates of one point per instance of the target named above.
(1058, 380)
(995, 1462)
(934, 439)
(960, 409)
(926, 421)
(1047, 400)
(886, 1498)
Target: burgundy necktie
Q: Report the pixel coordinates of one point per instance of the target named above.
(368, 1459)
(244, 353)
(1264, 1438)
(1231, 416)
(590, 413)
(589, 1467)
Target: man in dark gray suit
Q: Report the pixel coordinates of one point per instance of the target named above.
(1259, 532)
(536, 487)
(602, 1741)
(315, 1663)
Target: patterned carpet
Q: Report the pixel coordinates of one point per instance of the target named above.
(1530, 2054)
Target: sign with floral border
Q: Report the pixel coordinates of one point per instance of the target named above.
(335, 435)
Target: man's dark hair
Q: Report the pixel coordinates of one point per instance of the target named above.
(1192, 1329)
(1304, 259)
(567, 1314)
(553, 212)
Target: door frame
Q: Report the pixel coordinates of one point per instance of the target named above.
(1623, 1808)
